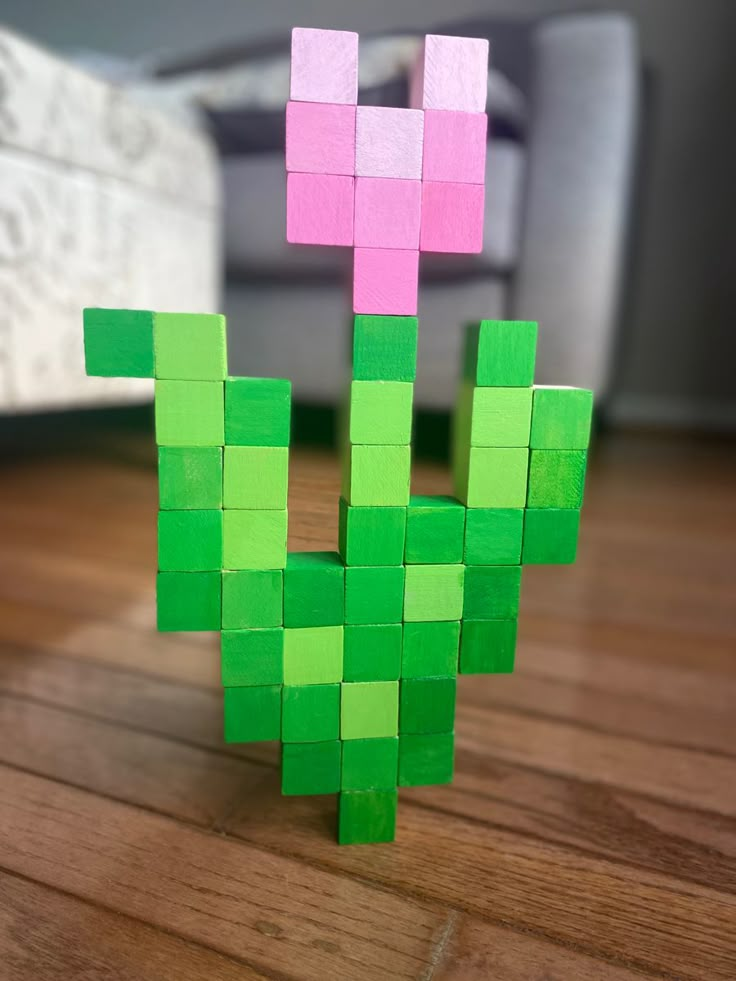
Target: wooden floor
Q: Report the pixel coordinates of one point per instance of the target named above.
(591, 829)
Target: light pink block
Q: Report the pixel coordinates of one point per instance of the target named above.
(319, 209)
(385, 281)
(452, 217)
(320, 138)
(455, 146)
(451, 73)
(324, 66)
(388, 213)
(388, 142)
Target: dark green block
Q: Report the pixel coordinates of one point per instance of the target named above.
(314, 590)
(384, 348)
(372, 652)
(427, 705)
(430, 649)
(493, 536)
(367, 816)
(491, 592)
(500, 353)
(189, 541)
(252, 714)
(556, 478)
(189, 477)
(426, 759)
(561, 418)
(370, 764)
(310, 768)
(310, 713)
(188, 600)
(371, 536)
(434, 530)
(252, 598)
(374, 594)
(487, 646)
(550, 536)
(257, 411)
(252, 657)
(118, 343)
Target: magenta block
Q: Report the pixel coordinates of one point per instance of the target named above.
(324, 66)
(389, 142)
(319, 209)
(320, 138)
(387, 213)
(385, 281)
(451, 73)
(452, 217)
(455, 146)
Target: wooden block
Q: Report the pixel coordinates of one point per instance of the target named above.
(426, 758)
(189, 477)
(492, 592)
(385, 281)
(252, 657)
(256, 477)
(257, 411)
(377, 476)
(561, 418)
(372, 652)
(320, 138)
(427, 705)
(388, 213)
(493, 536)
(254, 539)
(190, 346)
(370, 764)
(381, 412)
(252, 598)
(319, 209)
(252, 714)
(118, 343)
(455, 146)
(452, 217)
(369, 710)
(433, 592)
(494, 477)
(189, 413)
(314, 590)
(430, 649)
(500, 353)
(500, 416)
(312, 655)
(451, 73)
(488, 646)
(556, 478)
(550, 536)
(310, 768)
(385, 348)
(371, 536)
(190, 541)
(389, 142)
(188, 600)
(324, 66)
(374, 594)
(435, 528)
(310, 713)
(367, 816)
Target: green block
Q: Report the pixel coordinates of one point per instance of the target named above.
(374, 594)
(385, 348)
(493, 477)
(252, 598)
(561, 418)
(254, 539)
(367, 816)
(310, 713)
(426, 759)
(257, 411)
(434, 592)
(430, 649)
(371, 536)
(369, 709)
(256, 477)
(252, 657)
(310, 768)
(492, 592)
(500, 353)
(370, 764)
(312, 655)
(427, 705)
(556, 478)
(189, 541)
(376, 476)
(189, 413)
(434, 530)
(189, 477)
(501, 417)
(252, 714)
(118, 343)
(493, 536)
(188, 600)
(190, 346)
(372, 652)
(381, 412)
(550, 536)
(487, 646)
(314, 590)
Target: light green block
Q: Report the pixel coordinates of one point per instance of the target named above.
(376, 476)
(501, 417)
(189, 477)
(190, 346)
(561, 418)
(312, 655)
(256, 477)
(495, 477)
(369, 709)
(189, 413)
(254, 539)
(556, 478)
(433, 592)
(252, 657)
(380, 412)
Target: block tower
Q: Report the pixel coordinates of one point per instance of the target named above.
(350, 658)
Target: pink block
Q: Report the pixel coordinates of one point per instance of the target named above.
(324, 66)
(455, 146)
(387, 213)
(451, 73)
(319, 209)
(320, 138)
(452, 217)
(385, 281)
(388, 142)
